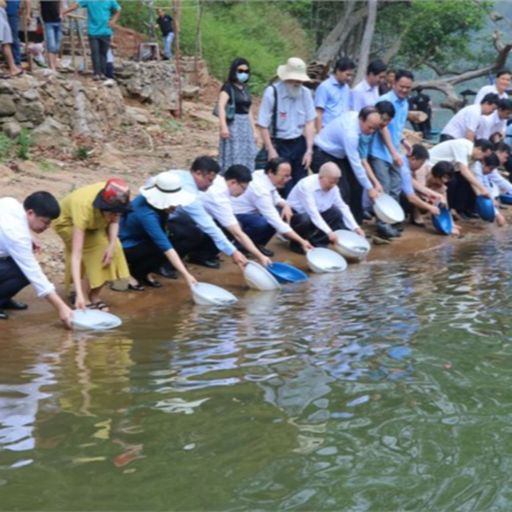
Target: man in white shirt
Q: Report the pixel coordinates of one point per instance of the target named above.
(318, 209)
(216, 201)
(18, 265)
(257, 208)
(503, 78)
(494, 127)
(464, 124)
(366, 92)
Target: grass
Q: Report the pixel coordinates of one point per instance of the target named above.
(6, 145)
(23, 143)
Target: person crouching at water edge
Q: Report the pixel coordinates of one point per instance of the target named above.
(318, 209)
(18, 265)
(142, 230)
(89, 225)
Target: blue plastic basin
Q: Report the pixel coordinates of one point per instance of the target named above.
(285, 273)
(506, 198)
(443, 222)
(485, 208)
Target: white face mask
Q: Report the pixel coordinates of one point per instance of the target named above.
(293, 90)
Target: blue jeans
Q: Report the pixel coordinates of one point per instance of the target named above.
(14, 21)
(256, 227)
(99, 48)
(12, 280)
(53, 35)
(168, 39)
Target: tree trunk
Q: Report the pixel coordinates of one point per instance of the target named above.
(366, 44)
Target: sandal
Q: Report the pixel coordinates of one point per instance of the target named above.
(136, 287)
(100, 305)
(152, 282)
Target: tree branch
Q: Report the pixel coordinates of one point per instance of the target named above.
(367, 40)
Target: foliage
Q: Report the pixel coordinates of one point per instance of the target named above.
(23, 142)
(82, 152)
(6, 145)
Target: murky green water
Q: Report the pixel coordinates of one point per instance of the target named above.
(387, 390)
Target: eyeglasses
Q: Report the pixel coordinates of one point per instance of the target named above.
(243, 70)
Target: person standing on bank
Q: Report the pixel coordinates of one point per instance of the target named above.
(166, 24)
(102, 16)
(51, 12)
(18, 265)
(366, 92)
(238, 133)
(294, 122)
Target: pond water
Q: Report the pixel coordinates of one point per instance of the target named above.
(383, 389)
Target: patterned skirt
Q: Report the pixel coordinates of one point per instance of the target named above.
(240, 148)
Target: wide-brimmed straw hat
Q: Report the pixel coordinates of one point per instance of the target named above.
(294, 69)
(165, 191)
(113, 197)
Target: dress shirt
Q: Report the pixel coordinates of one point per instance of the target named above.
(493, 177)
(378, 149)
(216, 201)
(491, 124)
(364, 95)
(333, 98)
(406, 178)
(201, 217)
(468, 118)
(292, 113)
(488, 89)
(341, 138)
(141, 224)
(307, 196)
(261, 197)
(453, 151)
(16, 242)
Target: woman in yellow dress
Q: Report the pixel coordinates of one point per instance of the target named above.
(89, 225)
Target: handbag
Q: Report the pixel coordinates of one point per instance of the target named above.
(261, 159)
(230, 108)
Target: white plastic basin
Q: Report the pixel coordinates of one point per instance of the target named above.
(95, 320)
(322, 260)
(259, 278)
(388, 210)
(205, 294)
(351, 245)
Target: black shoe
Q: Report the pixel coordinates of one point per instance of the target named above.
(386, 231)
(399, 226)
(167, 272)
(266, 252)
(153, 283)
(3, 315)
(367, 215)
(12, 304)
(296, 248)
(205, 262)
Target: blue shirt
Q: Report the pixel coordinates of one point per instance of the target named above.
(144, 223)
(201, 217)
(99, 13)
(341, 139)
(333, 98)
(13, 7)
(378, 149)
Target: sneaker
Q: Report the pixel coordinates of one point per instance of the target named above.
(386, 231)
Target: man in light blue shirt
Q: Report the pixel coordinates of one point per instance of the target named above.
(340, 142)
(192, 230)
(333, 96)
(102, 15)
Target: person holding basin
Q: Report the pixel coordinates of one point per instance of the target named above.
(142, 230)
(88, 225)
(216, 201)
(257, 208)
(318, 209)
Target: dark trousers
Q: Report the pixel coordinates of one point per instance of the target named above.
(144, 258)
(444, 137)
(99, 48)
(301, 223)
(14, 21)
(188, 239)
(256, 227)
(461, 196)
(351, 190)
(292, 150)
(12, 280)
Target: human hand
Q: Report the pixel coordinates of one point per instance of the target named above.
(286, 213)
(332, 238)
(107, 257)
(306, 159)
(360, 232)
(80, 301)
(66, 316)
(397, 160)
(307, 246)
(434, 210)
(373, 193)
(272, 153)
(224, 132)
(191, 280)
(239, 259)
(264, 260)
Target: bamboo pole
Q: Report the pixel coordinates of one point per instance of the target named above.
(176, 7)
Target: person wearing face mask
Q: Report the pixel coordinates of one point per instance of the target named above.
(237, 145)
(287, 120)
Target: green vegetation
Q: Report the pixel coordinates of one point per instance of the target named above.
(23, 144)
(6, 145)
(82, 152)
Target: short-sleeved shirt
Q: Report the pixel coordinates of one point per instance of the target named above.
(378, 149)
(333, 98)
(243, 98)
(99, 13)
(77, 210)
(490, 125)
(453, 151)
(142, 224)
(165, 24)
(465, 119)
(50, 11)
(292, 113)
(364, 95)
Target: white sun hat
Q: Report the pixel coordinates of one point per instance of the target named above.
(294, 69)
(165, 191)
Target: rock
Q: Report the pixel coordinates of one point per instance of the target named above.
(33, 111)
(7, 106)
(31, 95)
(137, 114)
(11, 128)
(190, 92)
(50, 133)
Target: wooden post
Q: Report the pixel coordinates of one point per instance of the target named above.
(176, 6)
(72, 37)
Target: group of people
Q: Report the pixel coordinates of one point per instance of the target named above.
(324, 165)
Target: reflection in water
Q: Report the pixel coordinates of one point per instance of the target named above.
(384, 387)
